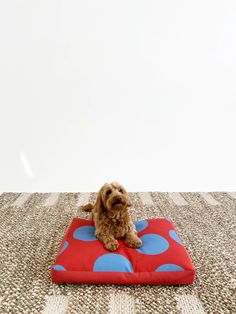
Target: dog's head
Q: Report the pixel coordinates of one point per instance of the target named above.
(113, 198)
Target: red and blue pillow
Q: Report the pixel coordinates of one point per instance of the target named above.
(162, 258)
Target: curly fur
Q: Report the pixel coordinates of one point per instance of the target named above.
(112, 218)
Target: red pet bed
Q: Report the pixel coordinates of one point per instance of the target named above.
(161, 260)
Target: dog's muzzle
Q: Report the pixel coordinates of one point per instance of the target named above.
(117, 201)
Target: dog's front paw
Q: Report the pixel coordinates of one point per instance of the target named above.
(134, 242)
(112, 245)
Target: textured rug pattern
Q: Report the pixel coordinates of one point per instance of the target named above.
(32, 227)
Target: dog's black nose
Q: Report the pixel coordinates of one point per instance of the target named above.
(118, 199)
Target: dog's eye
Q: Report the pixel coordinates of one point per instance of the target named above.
(108, 192)
(120, 190)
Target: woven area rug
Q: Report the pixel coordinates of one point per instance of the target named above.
(32, 227)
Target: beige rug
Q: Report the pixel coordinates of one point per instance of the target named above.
(32, 227)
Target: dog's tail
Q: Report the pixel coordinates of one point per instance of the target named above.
(87, 208)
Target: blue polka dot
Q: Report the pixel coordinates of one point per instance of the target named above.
(65, 245)
(175, 236)
(169, 267)
(85, 233)
(153, 244)
(140, 225)
(112, 262)
(59, 267)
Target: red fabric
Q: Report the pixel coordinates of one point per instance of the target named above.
(76, 258)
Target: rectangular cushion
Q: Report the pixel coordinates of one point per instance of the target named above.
(162, 258)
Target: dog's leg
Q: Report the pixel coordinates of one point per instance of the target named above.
(109, 241)
(132, 240)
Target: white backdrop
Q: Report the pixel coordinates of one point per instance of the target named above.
(142, 92)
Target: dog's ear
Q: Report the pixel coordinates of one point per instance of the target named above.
(129, 204)
(99, 202)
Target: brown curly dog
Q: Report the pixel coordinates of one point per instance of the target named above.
(111, 217)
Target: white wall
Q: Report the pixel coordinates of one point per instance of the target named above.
(143, 92)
